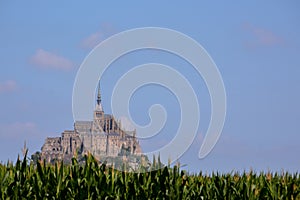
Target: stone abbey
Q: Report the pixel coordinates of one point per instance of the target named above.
(103, 138)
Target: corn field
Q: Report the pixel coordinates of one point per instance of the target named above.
(94, 181)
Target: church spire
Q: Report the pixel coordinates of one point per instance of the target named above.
(99, 95)
(99, 106)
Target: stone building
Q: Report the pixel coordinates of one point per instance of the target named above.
(102, 137)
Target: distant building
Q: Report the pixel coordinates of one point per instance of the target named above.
(103, 137)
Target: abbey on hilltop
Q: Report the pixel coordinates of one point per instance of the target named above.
(103, 138)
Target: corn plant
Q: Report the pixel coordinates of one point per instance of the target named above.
(91, 180)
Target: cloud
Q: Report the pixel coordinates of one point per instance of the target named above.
(8, 86)
(261, 37)
(92, 40)
(18, 129)
(47, 60)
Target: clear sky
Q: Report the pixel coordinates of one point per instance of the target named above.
(255, 45)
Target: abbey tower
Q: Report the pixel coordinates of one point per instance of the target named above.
(102, 137)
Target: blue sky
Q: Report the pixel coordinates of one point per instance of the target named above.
(255, 45)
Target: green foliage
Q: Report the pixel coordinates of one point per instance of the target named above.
(94, 181)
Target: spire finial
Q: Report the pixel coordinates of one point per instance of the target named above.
(99, 106)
